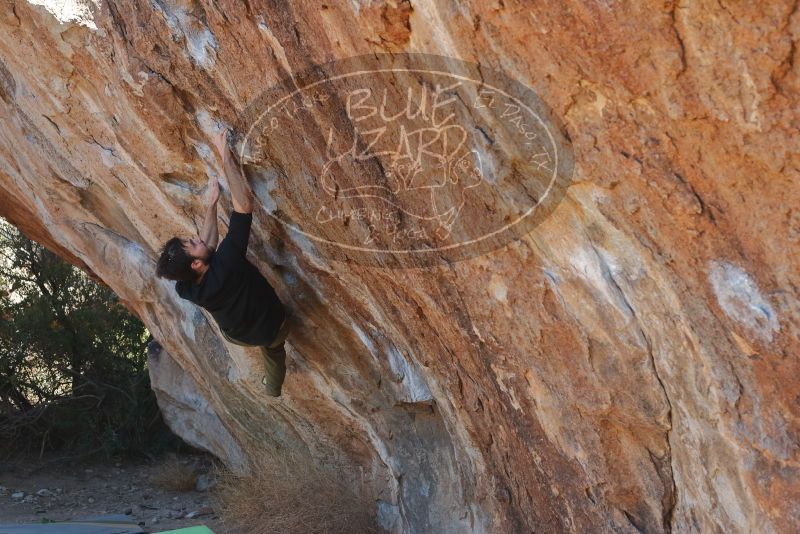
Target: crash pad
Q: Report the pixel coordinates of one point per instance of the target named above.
(107, 524)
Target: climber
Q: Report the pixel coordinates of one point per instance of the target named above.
(224, 282)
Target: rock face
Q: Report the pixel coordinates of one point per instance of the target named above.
(628, 364)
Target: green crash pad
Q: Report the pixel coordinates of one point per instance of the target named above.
(107, 524)
(190, 530)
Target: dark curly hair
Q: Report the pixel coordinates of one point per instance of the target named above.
(175, 263)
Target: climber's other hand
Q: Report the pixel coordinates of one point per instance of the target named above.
(213, 190)
(221, 142)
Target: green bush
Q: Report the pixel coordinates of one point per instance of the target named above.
(72, 360)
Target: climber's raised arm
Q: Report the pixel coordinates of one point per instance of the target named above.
(223, 281)
(241, 194)
(209, 233)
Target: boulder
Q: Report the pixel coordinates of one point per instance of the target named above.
(623, 360)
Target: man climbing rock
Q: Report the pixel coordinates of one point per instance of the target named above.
(224, 282)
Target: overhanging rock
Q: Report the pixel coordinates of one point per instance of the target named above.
(628, 362)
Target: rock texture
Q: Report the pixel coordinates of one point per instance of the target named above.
(629, 365)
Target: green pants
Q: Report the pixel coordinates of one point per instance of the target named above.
(274, 358)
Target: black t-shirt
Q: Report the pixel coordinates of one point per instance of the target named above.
(235, 293)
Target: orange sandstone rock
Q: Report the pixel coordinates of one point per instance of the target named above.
(628, 364)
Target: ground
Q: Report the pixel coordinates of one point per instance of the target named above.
(138, 489)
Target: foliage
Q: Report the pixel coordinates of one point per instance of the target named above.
(290, 494)
(72, 359)
(175, 475)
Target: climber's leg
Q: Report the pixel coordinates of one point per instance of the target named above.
(275, 361)
(275, 370)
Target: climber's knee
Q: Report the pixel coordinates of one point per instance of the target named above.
(272, 385)
(275, 362)
(275, 370)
